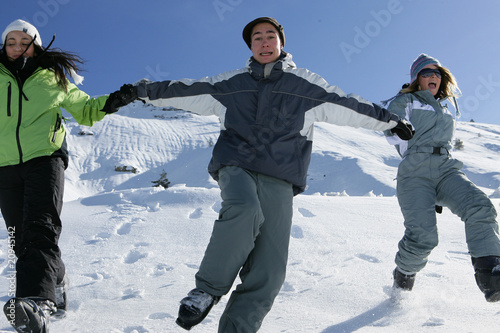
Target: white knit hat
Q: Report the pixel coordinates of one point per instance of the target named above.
(20, 25)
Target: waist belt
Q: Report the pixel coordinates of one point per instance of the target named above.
(429, 150)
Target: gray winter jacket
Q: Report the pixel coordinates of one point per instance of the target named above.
(267, 113)
(434, 125)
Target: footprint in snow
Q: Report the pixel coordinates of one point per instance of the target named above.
(306, 212)
(196, 214)
(124, 229)
(297, 232)
(99, 238)
(368, 258)
(98, 276)
(131, 293)
(133, 256)
(192, 266)
(287, 287)
(161, 269)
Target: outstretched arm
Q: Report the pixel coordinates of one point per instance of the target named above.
(334, 106)
(198, 96)
(127, 94)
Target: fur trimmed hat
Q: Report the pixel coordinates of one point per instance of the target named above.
(20, 25)
(419, 63)
(247, 31)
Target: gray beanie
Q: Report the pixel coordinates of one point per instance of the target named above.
(419, 64)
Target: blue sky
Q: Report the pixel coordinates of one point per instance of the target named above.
(364, 46)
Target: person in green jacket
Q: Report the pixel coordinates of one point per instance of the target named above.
(429, 178)
(33, 156)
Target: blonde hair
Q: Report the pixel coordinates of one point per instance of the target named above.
(447, 89)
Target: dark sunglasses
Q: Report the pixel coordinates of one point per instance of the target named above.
(427, 72)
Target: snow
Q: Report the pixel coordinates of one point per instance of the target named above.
(132, 250)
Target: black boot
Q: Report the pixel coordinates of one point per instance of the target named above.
(488, 276)
(62, 298)
(195, 307)
(29, 315)
(403, 281)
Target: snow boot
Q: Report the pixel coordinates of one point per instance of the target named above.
(195, 307)
(29, 315)
(487, 273)
(403, 281)
(62, 298)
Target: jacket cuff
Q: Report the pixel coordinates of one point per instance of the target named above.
(394, 117)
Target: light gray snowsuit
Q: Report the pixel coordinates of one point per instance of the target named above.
(429, 176)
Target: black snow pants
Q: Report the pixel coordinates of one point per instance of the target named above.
(31, 198)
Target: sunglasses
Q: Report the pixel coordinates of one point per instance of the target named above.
(428, 72)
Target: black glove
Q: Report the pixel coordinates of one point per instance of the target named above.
(404, 130)
(127, 94)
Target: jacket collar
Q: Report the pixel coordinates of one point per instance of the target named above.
(426, 97)
(271, 71)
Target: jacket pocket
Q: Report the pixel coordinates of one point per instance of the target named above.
(56, 128)
(9, 95)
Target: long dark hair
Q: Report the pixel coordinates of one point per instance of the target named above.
(61, 62)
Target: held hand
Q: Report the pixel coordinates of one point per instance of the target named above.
(127, 94)
(404, 130)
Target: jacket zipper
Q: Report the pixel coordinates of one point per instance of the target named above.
(18, 139)
(19, 119)
(56, 128)
(9, 96)
(9, 111)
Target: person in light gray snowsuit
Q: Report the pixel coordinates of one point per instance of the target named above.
(429, 178)
(267, 112)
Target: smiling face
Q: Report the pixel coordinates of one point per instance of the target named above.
(266, 44)
(15, 44)
(430, 83)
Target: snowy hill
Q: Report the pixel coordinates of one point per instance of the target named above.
(132, 250)
(356, 161)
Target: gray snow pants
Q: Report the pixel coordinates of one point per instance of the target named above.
(423, 182)
(251, 237)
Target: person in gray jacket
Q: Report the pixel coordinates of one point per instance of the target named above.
(267, 111)
(429, 178)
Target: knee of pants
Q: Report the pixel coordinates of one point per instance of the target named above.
(421, 243)
(268, 280)
(41, 231)
(483, 212)
(241, 210)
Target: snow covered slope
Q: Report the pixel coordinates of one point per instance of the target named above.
(132, 250)
(149, 139)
